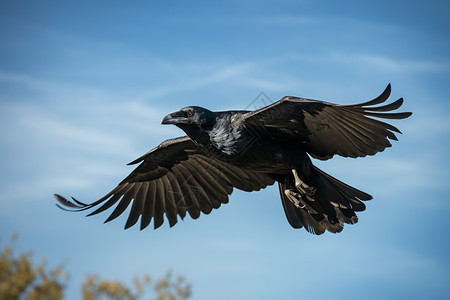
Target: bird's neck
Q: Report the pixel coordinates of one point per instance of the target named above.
(196, 133)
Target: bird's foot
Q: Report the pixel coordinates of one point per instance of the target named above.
(294, 198)
(303, 188)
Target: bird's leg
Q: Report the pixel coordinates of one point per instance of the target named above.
(302, 187)
(294, 198)
(299, 201)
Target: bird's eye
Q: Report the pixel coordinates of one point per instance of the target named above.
(190, 113)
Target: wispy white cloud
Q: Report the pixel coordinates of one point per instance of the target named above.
(397, 262)
(266, 84)
(428, 123)
(209, 77)
(19, 79)
(282, 20)
(70, 143)
(390, 174)
(389, 64)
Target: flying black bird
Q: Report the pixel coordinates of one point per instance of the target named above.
(250, 150)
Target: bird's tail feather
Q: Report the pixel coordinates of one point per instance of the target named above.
(331, 205)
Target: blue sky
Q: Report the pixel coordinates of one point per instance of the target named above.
(83, 89)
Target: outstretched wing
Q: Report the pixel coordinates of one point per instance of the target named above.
(325, 129)
(172, 179)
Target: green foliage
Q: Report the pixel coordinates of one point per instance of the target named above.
(21, 279)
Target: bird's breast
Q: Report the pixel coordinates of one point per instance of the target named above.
(227, 140)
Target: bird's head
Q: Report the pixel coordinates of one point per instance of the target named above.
(191, 116)
(195, 121)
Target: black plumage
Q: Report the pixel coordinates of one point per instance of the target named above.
(250, 150)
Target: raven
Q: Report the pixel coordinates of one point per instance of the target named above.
(250, 150)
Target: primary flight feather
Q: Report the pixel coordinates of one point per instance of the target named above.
(250, 150)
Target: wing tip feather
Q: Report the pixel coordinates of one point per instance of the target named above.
(68, 205)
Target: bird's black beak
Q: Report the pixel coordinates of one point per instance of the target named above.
(174, 118)
(168, 119)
